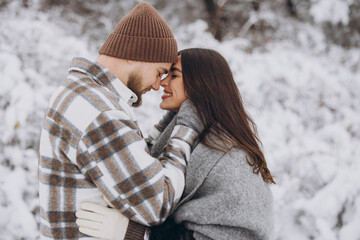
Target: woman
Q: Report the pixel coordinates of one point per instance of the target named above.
(227, 193)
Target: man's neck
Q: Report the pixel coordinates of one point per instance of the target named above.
(116, 66)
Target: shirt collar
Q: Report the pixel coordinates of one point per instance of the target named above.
(103, 76)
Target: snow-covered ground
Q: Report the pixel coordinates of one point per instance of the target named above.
(303, 94)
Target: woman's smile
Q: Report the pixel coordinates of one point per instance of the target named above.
(166, 95)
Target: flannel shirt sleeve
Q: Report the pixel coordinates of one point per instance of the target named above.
(115, 157)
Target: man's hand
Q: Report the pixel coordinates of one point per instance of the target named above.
(102, 222)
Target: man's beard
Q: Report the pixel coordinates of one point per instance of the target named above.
(134, 84)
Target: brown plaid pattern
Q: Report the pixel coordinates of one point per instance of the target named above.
(90, 146)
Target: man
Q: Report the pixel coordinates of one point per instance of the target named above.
(91, 145)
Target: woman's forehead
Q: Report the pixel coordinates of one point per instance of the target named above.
(177, 65)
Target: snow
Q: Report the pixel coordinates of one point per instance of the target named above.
(303, 96)
(334, 11)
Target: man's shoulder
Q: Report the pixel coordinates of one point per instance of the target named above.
(79, 101)
(79, 85)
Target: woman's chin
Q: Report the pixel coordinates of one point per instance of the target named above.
(168, 108)
(163, 107)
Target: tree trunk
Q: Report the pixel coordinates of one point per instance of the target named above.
(214, 18)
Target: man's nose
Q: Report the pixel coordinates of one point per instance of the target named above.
(156, 85)
(164, 82)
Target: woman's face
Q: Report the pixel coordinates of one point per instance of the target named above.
(174, 92)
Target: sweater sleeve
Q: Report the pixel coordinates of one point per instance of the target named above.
(135, 231)
(159, 128)
(115, 157)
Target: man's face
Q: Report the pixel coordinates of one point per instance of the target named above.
(146, 76)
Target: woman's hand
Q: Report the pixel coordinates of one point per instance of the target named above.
(102, 222)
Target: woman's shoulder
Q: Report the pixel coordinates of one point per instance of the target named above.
(227, 150)
(234, 167)
(236, 160)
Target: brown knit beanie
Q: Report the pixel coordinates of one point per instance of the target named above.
(142, 35)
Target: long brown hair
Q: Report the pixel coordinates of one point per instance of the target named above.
(208, 82)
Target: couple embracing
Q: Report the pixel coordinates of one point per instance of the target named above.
(200, 174)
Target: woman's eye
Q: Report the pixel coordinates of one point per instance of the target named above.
(173, 76)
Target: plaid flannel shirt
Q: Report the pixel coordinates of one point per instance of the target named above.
(91, 146)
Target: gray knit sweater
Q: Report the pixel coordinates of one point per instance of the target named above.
(223, 198)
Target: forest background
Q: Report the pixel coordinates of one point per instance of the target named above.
(295, 62)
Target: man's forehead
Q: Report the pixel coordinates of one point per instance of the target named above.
(164, 70)
(165, 67)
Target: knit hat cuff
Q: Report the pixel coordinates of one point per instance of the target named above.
(142, 49)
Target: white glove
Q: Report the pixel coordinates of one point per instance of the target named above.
(108, 202)
(101, 222)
